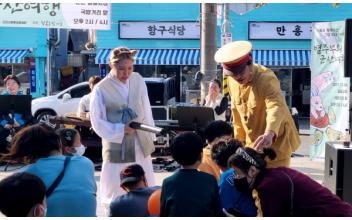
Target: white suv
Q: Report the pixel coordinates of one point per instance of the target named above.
(66, 101)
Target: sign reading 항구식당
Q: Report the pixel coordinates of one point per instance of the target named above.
(330, 90)
(176, 30)
(56, 15)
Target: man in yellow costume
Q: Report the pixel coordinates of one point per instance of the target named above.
(261, 118)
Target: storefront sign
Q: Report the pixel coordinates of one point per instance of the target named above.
(280, 30)
(32, 75)
(330, 90)
(226, 38)
(102, 68)
(56, 15)
(159, 30)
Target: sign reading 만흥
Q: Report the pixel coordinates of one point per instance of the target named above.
(260, 30)
(159, 30)
(330, 90)
(56, 15)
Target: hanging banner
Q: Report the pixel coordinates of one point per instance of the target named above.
(56, 15)
(102, 72)
(32, 75)
(329, 101)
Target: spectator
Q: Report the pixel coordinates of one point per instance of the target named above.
(216, 131)
(216, 100)
(9, 122)
(189, 192)
(22, 195)
(83, 107)
(283, 191)
(135, 202)
(71, 142)
(238, 203)
(40, 147)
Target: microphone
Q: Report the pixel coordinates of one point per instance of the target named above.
(144, 127)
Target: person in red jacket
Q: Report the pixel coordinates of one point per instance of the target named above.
(283, 191)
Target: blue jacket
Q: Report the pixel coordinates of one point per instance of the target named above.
(230, 197)
(18, 117)
(75, 196)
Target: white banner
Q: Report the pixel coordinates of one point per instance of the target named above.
(280, 30)
(56, 15)
(330, 90)
(159, 30)
(226, 38)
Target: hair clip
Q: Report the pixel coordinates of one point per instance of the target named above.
(241, 152)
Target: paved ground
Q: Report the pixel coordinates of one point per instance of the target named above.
(301, 162)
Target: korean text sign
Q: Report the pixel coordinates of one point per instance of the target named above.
(56, 15)
(330, 90)
(159, 30)
(280, 30)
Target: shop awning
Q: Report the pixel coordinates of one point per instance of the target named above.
(157, 57)
(12, 56)
(294, 58)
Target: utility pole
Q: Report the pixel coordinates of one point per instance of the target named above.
(225, 31)
(208, 46)
(226, 27)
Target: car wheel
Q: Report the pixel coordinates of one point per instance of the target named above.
(43, 117)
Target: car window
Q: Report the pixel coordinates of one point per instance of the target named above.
(78, 92)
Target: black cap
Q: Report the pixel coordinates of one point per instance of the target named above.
(132, 173)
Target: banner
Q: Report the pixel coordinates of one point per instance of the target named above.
(102, 72)
(32, 74)
(329, 101)
(56, 15)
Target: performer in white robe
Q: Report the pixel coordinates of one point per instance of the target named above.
(121, 89)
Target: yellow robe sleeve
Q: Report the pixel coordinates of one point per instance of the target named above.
(238, 129)
(274, 104)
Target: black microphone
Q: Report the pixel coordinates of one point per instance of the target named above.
(144, 127)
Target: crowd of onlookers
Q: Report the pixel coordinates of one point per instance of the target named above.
(223, 178)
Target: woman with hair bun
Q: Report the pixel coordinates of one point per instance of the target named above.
(282, 191)
(119, 98)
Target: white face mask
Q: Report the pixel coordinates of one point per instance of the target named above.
(80, 150)
(45, 211)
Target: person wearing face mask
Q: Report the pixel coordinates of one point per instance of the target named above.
(261, 118)
(241, 204)
(71, 142)
(70, 182)
(283, 191)
(9, 122)
(216, 100)
(22, 195)
(118, 99)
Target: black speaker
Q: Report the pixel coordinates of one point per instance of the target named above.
(348, 48)
(159, 113)
(160, 90)
(337, 173)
